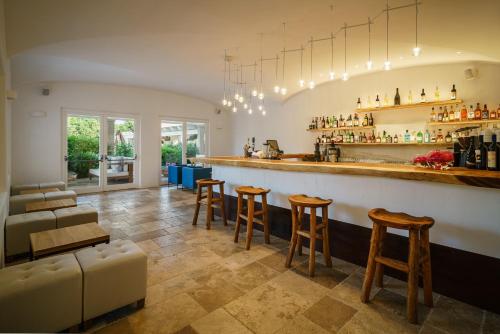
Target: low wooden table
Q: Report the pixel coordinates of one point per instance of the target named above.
(38, 191)
(66, 239)
(50, 205)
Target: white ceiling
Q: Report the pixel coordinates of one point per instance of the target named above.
(179, 45)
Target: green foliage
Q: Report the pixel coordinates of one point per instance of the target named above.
(83, 126)
(124, 150)
(128, 126)
(173, 153)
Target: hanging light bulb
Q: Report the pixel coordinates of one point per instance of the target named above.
(245, 106)
(263, 113)
(276, 89)
(345, 76)
(301, 83)
(369, 64)
(332, 75)
(235, 109)
(254, 92)
(311, 84)
(261, 96)
(250, 111)
(416, 51)
(260, 107)
(229, 103)
(387, 65)
(224, 102)
(236, 96)
(283, 91)
(241, 99)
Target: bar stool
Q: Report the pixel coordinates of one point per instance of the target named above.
(299, 203)
(419, 255)
(211, 201)
(251, 192)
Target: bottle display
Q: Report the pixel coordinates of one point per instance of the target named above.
(397, 98)
(492, 154)
(422, 96)
(453, 95)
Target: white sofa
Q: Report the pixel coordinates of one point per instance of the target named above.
(41, 296)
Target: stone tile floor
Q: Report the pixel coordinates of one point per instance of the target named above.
(200, 281)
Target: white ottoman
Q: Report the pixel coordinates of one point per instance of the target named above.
(114, 275)
(41, 296)
(16, 189)
(60, 195)
(19, 227)
(77, 215)
(17, 203)
(59, 185)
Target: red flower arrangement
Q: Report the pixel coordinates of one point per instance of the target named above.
(439, 160)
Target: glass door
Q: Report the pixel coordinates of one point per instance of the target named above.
(197, 140)
(121, 153)
(171, 146)
(82, 154)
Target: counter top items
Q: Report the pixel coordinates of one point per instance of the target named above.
(439, 160)
(419, 256)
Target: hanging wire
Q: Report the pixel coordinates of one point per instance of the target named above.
(331, 60)
(284, 52)
(225, 63)
(301, 62)
(369, 40)
(345, 47)
(311, 73)
(416, 23)
(387, 33)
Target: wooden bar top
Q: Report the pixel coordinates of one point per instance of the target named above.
(454, 175)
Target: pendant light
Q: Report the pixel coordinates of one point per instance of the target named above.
(416, 49)
(387, 63)
(311, 82)
(332, 73)
(276, 87)
(241, 99)
(369, 62)
(283, 89)
(224, 100)
(345, 75)
(301, 80)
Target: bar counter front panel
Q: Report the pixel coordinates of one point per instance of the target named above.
(465, 238)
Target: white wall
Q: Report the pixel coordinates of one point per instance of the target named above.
(288, 122)
(37, 142)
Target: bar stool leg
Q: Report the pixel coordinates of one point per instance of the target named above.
(222, 204)
(251, 207)
(299, 226)
(326, 242)
(238, 218)
(293, 240)
(411, 307)
(197, 210)
(265, 219)
(370, 266)
(312, 243)
(379, 268)
(426, 266)
(209, 206)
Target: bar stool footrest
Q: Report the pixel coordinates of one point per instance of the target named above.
(395, 264)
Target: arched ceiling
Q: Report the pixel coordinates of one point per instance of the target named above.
(179, 45)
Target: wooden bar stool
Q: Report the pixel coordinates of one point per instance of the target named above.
(211, 201)
(299, 203)
(419, 256)
(251, 192)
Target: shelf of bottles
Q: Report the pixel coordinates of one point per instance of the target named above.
(326, 123)
(464, 116)
(397, 144)
(341, 128)
(410, 105)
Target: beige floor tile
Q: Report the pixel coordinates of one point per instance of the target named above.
(349, 290)
(296, 284)
(328, 277)
(396, 305)
(455, 317)
(330, 314)
(219, 322)
(215, 293)
(242, 259)
(159, 292)
(277, 260)
(301, 325)
(251, 276)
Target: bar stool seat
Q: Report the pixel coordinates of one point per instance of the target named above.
(250, 192)
(419, 259)
(209, 200)
(299, 203)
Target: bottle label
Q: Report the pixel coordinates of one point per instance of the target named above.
(478, 156)
(492, 159)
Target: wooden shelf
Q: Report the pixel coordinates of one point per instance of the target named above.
(342, 128)
(412, 105)
(396, 144)
(486, 121)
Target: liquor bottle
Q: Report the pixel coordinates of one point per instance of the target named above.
(395, 140)
(348, 122)
(451, 115)
(407, 137)
(440, 137)
(481, 153)
(470, 156)
(498, 149)
(365, 120)
(364, 140)
(493, 113)
(378, 139)
(492, 153)
(335, 122)
(427, 136)
(359, 103)
(457, 113)
(410, 97)
(386, 100)
(328, 122)
(356, 120)
(463, 113)
(422, 96)
(377, 102)
(370, 120)
(440, 114)
(485, 114)
(433, 136)
(323, 124)
(446, 115)
(470, 113)
(388, 139)
(477, 112)
(341, 121)
(433, 115)
(420, 137)
(448, 138)
(436, 94)
(397, 98)
(453, 93)
(384, 137)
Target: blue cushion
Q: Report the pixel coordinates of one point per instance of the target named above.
(191, 174)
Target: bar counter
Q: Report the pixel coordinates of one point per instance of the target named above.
(455, 175)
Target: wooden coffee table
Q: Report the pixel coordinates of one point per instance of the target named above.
(38, 191)
(66, 239)
(50, 205)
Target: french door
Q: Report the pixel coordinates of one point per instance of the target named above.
(100, 151)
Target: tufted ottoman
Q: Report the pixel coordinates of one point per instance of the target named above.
(16, 189)
(41, 296)
(19, 227)
(59, 185)
(17, 203)
(60, 195)
(114, 275)
(76, 215)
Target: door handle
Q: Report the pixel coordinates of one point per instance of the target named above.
(65, 158)
(101, 159)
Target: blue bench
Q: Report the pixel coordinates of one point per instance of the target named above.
(192, 173)
(175, 174)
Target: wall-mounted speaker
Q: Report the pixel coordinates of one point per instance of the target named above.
(45, 91)
(470, 73)
(218, 111)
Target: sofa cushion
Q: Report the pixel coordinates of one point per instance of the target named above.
(16, 189)
(76, 215)
(60, 195)
(19, 227)
(59, 185)
(41, 296)
(114, 275)
(17, 203)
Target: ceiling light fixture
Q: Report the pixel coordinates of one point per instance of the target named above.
(416, 49)
(369, 63)
(301, 80)
(332, 73)
(283, 89)
(387, 63)
(345, 75)
(224, 100)
(276, 87)
(311, 82)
